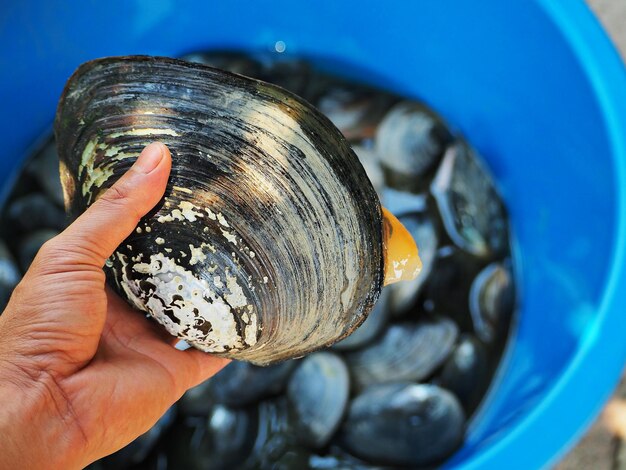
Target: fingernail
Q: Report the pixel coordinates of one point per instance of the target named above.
(150, 157)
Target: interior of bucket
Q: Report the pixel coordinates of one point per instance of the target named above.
(506, 80)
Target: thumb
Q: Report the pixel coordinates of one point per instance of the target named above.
(96, 234)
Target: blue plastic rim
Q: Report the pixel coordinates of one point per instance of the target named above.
(535, 86)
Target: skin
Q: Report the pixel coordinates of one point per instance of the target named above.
(81, 373)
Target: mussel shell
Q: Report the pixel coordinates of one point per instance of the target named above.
(269, 233)
(197, 401)
(45, 169)
(491, 300)
(137, 451)
(371, 163)
(291, 74)
(318, 396)
(356, 111)
(274, 436)
(470, 206)
(338, 458)
(35, 211)
(406, 351)
(466, 372)
(410, 141)
(402, 203)
(221, 441)
(404, 424)
(447, 289)
(233, 62)
(294, 458)
(232, 432)
(241, 383)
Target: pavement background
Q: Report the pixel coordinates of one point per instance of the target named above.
(604, 446)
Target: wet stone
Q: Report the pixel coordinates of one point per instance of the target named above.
(318, 396)
(197, 401)
(339, 459)
(470, 207)
(401, 203)
(220, 442)
(404, 424)
(274, 437)
(241, 383)
(371, 164)
(405, 351)
(466, 372)
(36, 211)
(30, 245)
(137, 451)
(447, 289)
(491, 300)
(45, 169)
(410, 140)
(355, 111)
(9, 275)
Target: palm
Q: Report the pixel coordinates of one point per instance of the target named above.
(135, 375)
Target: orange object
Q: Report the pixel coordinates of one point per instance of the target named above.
(402, 262)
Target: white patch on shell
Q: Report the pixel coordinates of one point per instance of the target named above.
(138, 258)
(212, 214)
(96, 176)
(197, 253)
(186, 211)
(160, 241)
(222, 220)
(229, 236)
(144, 132)
(251, 329)
(200, 303)
(236, 298)
(182, 190)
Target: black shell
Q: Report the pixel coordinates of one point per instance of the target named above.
(268, 242)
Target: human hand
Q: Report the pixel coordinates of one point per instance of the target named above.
(81, 373)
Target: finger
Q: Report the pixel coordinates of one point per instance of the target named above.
(127, 331)
(184, 369)
(205, 365)
(137, 386)
(126, 322)
(95, 235)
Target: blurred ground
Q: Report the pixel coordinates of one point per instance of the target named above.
(604, 446)
(612, 14)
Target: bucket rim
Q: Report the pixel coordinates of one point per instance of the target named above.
(582, 378)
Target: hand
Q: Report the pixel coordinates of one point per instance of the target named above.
(81, 373)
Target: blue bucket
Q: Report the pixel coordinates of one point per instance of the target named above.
(535, 86)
